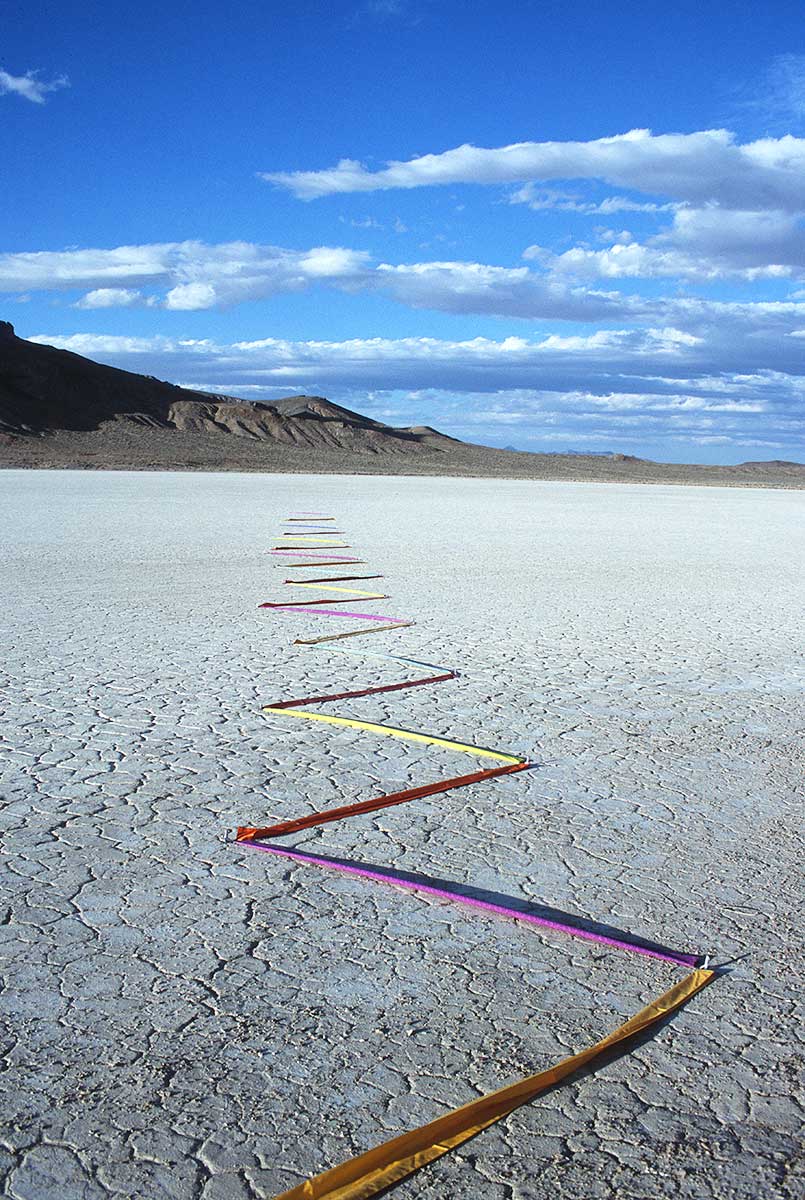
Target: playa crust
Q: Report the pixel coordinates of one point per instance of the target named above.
(187, 1018)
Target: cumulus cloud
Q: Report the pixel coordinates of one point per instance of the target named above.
(616, 387)
(702, 244)
(693, 168)
(192, 296)
(29, 87)
(110, 298)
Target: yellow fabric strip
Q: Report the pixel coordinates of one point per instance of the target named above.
(407, 734)
(378, 1169)
(349, 591)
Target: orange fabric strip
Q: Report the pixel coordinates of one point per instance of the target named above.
(371, 1173)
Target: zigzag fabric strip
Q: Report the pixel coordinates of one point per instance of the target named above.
(371, 1173)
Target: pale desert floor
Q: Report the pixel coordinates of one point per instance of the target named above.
(190, 1018)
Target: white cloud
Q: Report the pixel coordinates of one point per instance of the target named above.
(738, 210)
(702, 244)
(29, 87)
(197, 275)
(622, 360)
(540, 199)
(191, 276)
(110, 298)
(693, 168)
(328, 262)
(189, 297)
(105, 345)
(90, 268)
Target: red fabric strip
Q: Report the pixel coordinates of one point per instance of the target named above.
(248, 834)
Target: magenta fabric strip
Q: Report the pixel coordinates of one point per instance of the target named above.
(672, 956)
(332, 612)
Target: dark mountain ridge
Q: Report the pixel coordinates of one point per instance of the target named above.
(43, 389)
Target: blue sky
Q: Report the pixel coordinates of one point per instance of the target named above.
(525, 224)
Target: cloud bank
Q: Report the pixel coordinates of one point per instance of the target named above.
(614, 388)
(193, 276)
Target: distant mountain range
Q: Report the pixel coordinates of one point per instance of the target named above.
(58, 409)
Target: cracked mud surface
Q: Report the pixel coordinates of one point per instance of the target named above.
(185, 1017)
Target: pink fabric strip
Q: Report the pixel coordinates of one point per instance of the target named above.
(672, 956)
(332, 612)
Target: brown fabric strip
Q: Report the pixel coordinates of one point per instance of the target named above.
(372, 691)
(336, 637)
(299, 603)
(334, 579)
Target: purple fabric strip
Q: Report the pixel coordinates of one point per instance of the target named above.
(332, 612)
(672, 956)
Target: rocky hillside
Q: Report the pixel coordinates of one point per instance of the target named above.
(44, 390)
